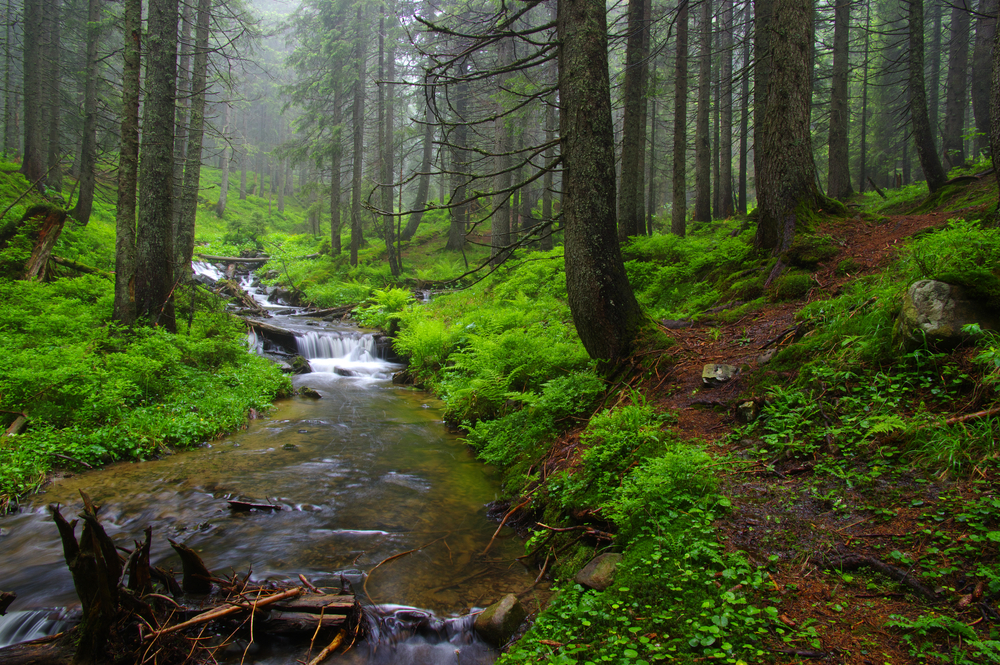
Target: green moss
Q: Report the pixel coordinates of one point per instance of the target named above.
(790, 287)
(808, 251)
(847, 267)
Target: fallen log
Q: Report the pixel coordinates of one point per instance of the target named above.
(80, 267)
(318, 313)
(877, 190)
(314, 603)
(19, 424)
(297, 623)
(219, 612)
(52, 650)
(233, 259)
(232, 289)
(279, 336)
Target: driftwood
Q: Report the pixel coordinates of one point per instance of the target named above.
(232, 259)
(329, 649)
(246, 506)
(197, 579)
(116, 622)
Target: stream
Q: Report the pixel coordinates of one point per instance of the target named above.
(364, 473)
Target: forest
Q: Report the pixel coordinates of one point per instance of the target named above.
(711, 286)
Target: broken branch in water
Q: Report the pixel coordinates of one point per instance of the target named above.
(220, 612)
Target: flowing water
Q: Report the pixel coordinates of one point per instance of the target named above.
(364, 473)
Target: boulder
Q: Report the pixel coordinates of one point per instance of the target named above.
(498, 622)
(300, 365)
(935, 312)
(310, 393)
(747, 412)
(340, 371)
(282, 296)
(600, 572)
(716, 375)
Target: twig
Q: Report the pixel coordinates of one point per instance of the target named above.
(364, 587)
(504, 521)
(25, 193)
(329, 649)
(309, 586)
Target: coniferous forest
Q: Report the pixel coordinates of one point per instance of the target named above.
(706, 293)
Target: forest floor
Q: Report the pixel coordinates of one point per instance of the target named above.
(790, 517)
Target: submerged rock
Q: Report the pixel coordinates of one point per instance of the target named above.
(716, 375)
(934, 312)
(600, 572)
(310, 392)
(497, 623)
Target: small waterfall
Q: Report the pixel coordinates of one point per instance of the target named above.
(17, 627)
(401, 635)
(344, 354)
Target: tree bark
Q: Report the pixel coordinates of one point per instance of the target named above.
(184, 75)
(678, 214)
(838, 184)
(605, 311)
(702, 149)
(184, 242)
(956, 96)
(863, 156)
(922, 134)
(128, 164)
(982, 60)
(934, 103)
(244, 157)
(741, 203)
(336, 158)
(630, 221)
(995, 118)
(786, 176)
(88, 151)
(154, 276)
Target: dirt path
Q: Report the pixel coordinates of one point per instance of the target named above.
(776, 518)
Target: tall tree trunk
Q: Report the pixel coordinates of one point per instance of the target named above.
(995, 118)
(503, 146)
(282, 182)
(956, 96)
(934, 55)
(702, 149)
(863, 156)
(88, 151)
(358, 124)
(9, 142)
(726, 113)
(184, 76)
(459, 162)
(922, 134)
(552, 77)
(128, 166)
(633, 136)
(741, 203)
(243, 156)
(424, 180)
(602, 303)
(651, 180)
(154, 275)
(184, 242)
(386, 73)
(678, 213)
(54, 156)
(783, 162)
(32, 165)
(982, 60)
(336, 158)
(838, 184)
(220, 207)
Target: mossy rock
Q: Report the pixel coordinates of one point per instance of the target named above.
(749, 288)
(807, 252)
(790, 287)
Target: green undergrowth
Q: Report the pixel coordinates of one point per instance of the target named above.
(94, 393)
(676, 595)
